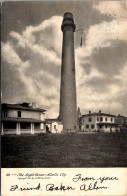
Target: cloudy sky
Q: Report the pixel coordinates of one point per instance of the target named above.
(32, 46)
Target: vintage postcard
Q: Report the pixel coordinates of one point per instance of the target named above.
(63, 98)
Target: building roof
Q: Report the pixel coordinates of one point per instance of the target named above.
(22, 120)
(52, 120)
(21, 106)
(98, 114)
(121, 116)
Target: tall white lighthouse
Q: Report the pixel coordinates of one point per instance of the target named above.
(68, 102)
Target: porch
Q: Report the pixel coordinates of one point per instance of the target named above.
(106, 127)
(22, 126)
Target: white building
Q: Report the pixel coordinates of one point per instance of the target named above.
(22, 118)
(97, 122)
(54, 125)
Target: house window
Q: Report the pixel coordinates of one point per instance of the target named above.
(19, 114)
(97, 118)
(106, 119)
(87, 126)
(92, 126)
(5, 114)
(54, 126)
(101, 118)
(90, 119)
(106, 126)
(111, 119)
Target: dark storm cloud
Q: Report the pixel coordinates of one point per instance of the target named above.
(87, 67)
(10, 78)
(101, 85)
(111, 60)
(17, 15)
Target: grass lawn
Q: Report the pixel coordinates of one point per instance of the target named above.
(64, 150)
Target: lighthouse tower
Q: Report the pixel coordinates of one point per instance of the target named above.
(68, 103)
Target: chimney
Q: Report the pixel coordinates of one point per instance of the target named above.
(99, 111)
(89, 112)
(33, 104)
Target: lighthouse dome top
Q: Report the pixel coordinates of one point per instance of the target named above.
(68, 21)
(68, 15)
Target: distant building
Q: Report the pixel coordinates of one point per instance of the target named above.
(79, 117)
(54, 125)
(121, 122)
(97, 122)
(22, 118)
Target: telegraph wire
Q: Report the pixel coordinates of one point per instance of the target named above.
(80, 29)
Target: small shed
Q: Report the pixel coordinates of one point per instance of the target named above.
(54, 125)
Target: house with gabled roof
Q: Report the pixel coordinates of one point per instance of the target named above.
(121, 122)
(97, 122)
(22, 118)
